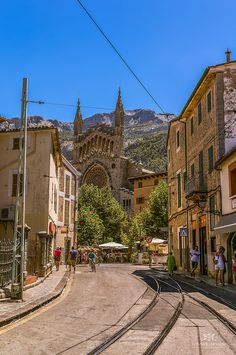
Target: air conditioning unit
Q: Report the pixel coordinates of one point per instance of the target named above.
(7, 213)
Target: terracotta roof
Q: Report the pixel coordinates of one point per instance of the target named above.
(148, 175)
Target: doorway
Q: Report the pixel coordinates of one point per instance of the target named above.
(231, 252)
(67, 246)
(203, 251)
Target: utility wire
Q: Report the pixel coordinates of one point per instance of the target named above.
(120, 56)
(68, 105)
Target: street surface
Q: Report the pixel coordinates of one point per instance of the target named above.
(95, 306)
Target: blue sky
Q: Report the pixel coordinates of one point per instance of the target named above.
(168, 43)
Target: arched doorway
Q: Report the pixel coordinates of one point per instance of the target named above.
(96, 175)
(231, 251)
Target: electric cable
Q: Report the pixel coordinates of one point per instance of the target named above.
(120, 56)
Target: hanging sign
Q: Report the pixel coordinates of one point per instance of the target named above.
(183, 232)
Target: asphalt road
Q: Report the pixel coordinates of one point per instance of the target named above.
(93, 303)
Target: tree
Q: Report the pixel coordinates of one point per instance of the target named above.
(106, 207)
(90, 226)
(149, 221)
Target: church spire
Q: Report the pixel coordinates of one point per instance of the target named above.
(78, 122)
(119, 112)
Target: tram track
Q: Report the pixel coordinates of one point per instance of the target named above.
(166, 287)
(116, 336)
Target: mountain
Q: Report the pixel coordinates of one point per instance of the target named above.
(145, 134)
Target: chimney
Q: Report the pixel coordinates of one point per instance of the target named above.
(228, 55)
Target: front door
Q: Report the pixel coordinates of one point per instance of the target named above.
(231, 252)
(203, 250)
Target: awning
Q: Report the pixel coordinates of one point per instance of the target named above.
(226, 224)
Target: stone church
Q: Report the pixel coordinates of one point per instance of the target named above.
(99, 156)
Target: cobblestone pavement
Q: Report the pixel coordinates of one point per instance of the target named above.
(34, 293)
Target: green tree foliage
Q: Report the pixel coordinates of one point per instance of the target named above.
(101, 202)
(149, 221)
(90, 226)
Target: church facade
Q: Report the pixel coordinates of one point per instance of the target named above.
(99, 156)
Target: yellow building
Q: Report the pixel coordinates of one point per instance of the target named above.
(143, 186)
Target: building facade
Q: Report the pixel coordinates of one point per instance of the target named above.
(143, 185)
(203, 133)
(226, 226)
(67, 208)
(98, 155)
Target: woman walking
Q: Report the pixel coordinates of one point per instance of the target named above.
(219, 261)
(171, 263)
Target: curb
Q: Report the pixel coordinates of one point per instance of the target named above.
(34, 305)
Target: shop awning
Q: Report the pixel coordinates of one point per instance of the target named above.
(226, 224)
(113, 245)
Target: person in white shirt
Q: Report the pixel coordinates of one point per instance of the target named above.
(195, 254)
(219, 261)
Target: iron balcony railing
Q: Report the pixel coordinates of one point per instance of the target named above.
(195, 185)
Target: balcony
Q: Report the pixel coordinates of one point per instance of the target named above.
(196, 187)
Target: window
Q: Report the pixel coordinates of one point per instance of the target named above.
(200, 170)
(191, 126)
(185, 181)
(212, 211)
(177, 140)
(199, 113)
(209, 105)
(14, 184)
(232, 179)
(210, 159)
(179, 189)
(55, 199)
(67, 213)
(67, 192)
(140, 184)
(139, 200)
(16, 143)
(213, 244)
(192, 171)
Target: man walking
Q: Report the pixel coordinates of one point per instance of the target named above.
(73, 258)
(57, 257)
(195, 254)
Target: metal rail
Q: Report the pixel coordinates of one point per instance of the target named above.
(111, 340)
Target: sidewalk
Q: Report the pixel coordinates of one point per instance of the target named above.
(34, 297)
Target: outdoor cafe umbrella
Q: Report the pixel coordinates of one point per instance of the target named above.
(113, 245)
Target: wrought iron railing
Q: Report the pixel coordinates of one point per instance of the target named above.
(197, 184)
(6, 258)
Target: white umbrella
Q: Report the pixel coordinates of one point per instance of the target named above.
(113, 245)
(158, 241)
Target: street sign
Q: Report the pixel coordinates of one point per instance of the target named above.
(148, 239)
(183, 232)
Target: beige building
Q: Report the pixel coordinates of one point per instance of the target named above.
(67, 208)
(43, 161)
(204, 132)
(226, 226)
(143, 185)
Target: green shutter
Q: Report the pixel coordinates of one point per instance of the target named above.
(179, 189)
(199, 112)
(210, 159)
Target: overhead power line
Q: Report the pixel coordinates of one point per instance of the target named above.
(120, 56)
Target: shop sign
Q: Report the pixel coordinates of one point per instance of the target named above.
(193, 225)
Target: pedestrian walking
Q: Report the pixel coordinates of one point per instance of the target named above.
(195, 255)
(92, 260)
(234, 267)
(171, 263)
(72, 258)
(57, 257)
(219, 261)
